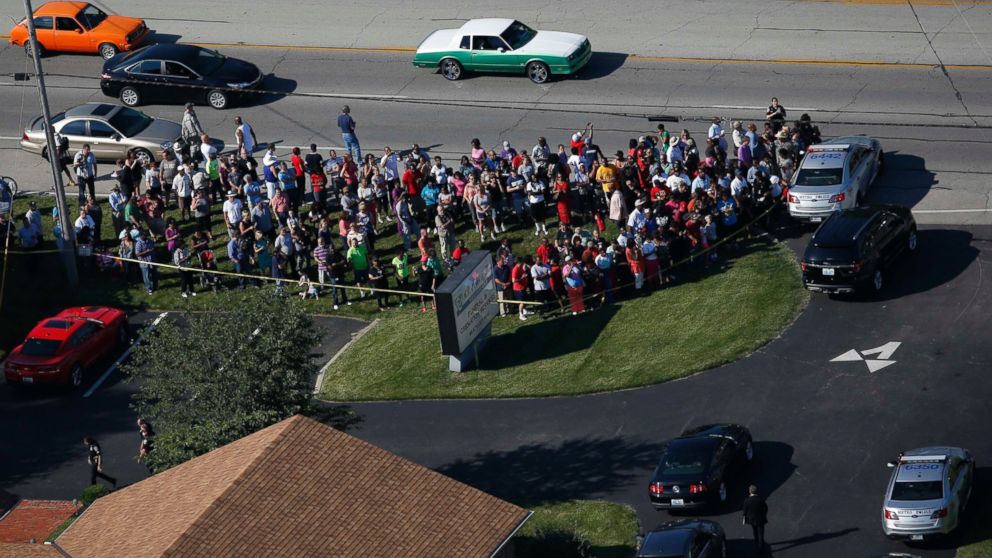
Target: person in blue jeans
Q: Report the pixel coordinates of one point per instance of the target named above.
(144, 250)
(347, 125)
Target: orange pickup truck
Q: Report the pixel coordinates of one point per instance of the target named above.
(80, 27)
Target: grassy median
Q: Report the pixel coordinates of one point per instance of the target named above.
(705, 320)
(600, 529)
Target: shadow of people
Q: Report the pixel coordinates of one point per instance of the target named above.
(529, 343)
(779, 546)
(771, 468)
(942, 255)
(904, 181)
(576, 468)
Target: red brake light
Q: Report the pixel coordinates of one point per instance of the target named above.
(24, 136)
(889, 514)
(793, 199)
(837, 198)
(942, 512)
(656, 488)
(697, 488)
(857, 266)
(802, 265)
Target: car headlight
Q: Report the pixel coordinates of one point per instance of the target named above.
(239, 85)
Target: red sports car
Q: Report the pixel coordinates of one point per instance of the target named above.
(59, 349)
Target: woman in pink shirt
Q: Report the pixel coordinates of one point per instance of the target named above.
(477, 155)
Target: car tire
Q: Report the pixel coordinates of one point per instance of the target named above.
(217, 99)
(451, 69)
(142, 155)
(29, 51)
(76, 376)
(130, 97)
(108, 50)
(877, 280)
(721, 493)
(912, 243)
(538, 72)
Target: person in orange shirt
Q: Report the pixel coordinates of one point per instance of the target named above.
(635, 258)
(561, 195)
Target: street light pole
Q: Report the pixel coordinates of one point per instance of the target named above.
(68, 231)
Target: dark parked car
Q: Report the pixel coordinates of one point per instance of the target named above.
(165, 73)
(852, 249)
(696, 467)
(686, 538)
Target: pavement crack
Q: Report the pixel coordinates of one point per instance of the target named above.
(940, 62)
(366, 26)
(502, 133)
(279, 61)
(851, 102)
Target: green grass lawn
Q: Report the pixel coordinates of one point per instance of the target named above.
(603, 529)
(705, 321)
(975, 532)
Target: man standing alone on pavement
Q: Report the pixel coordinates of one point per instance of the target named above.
(756, 515)
(244, 134)
(347, 125)
(191, 130)
(95, 460)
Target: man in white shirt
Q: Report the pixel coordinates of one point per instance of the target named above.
(737, 184)
(637, 220)
(206, 148)
(183, 186)
(439, 171)
(701, 182)
(390, 166)
(232, 212)
(541, 272)
(86, 170)
(84, 220)
(244, 135)
(674, 152)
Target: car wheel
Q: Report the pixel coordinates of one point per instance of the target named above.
(538, 72)
(217, 99)
(749, 451)
(108, 51)
(913, 241)
(122, 335)
(30, 51)
(130, 97)
(76, 376)
(142, 155)
(876, 280)
(451, 69)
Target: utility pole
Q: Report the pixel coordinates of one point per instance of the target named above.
(68, 230)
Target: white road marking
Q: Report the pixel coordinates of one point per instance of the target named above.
(976, 210)
(126, 354)
(884, 353)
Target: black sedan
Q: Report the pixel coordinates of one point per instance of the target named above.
(165, 73)
(687, 538)
(696, 467)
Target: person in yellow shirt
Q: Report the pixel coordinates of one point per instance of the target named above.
(607, 176)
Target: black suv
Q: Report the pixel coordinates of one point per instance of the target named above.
(852, 248)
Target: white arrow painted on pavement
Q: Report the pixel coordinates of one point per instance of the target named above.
(883, 352)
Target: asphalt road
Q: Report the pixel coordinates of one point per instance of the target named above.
(41, 450)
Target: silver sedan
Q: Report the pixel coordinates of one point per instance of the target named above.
(834, 175)
(111, 131)
(927, 493)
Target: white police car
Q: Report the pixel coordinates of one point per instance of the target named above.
(927, 493)
(834, 175)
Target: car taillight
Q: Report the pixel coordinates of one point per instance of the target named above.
(889, 514)
(857, 266)
(656, 488)
(104, 75)
(24, 136)
(793, 199)
(837, 198)
(697, 488)
(802, 265)
(942, 512)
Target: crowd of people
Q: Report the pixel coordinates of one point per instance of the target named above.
(316, 219)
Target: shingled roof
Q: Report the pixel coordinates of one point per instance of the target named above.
(296, 488)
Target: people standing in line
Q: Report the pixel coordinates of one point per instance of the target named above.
(147, 440)
(95, 460)
(84, 163)
(756, 515)
(181, 258)
(244, 135)
(144, 250)
(347, 125)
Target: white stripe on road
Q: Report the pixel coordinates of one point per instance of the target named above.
(126, 354)
(978, 210)
(300, 93)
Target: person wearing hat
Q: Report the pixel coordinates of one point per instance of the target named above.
(232, 212)
(582, 138)
(191, 131)
(508, 152)
(347, 125)
(674, 152)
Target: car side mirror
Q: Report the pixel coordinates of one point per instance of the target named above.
(501, 49)
(116, 137)
(80, 31)
(891, 464)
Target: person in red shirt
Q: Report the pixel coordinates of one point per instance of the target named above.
(460, 251)
(546, 252)
(561, 195)
(519, 276)
(579, 139)
(349, 173)
(301, 177)
(636, 261)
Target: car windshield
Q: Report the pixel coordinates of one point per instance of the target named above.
(914, 491)
(684, 461)
(819, 177)
(40, 347)
(130, 122)
(90, 17)
(517, 35)
(206, 62)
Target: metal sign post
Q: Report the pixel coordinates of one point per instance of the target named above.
(68, 231)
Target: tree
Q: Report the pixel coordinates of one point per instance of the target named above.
(213, 377)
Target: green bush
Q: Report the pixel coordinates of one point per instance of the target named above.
(91, 493)
(553, 542)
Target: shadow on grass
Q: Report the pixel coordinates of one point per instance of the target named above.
(575, 469)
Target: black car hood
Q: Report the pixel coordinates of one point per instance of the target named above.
(236, 71)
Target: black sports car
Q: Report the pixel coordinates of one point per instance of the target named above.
(696, 467)
(172, 73)
(686, 538)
